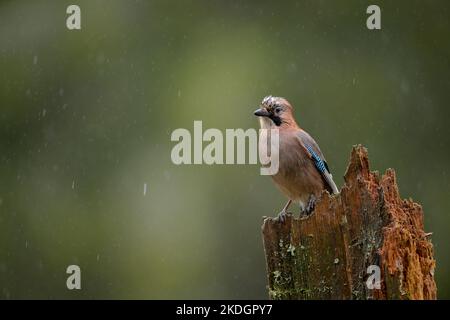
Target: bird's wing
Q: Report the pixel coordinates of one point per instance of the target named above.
(313, 151)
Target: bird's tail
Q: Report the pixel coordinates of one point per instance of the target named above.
(329, 179)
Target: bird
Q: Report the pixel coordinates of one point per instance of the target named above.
(303, 171)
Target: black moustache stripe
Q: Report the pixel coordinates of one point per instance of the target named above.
(275, 119)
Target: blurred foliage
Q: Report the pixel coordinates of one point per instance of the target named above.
(86, 118)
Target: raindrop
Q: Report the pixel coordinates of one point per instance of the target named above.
(145, 189)
(35, 60)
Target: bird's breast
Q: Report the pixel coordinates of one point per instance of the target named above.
(297, 177)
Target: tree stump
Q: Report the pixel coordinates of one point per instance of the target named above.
(364, 243)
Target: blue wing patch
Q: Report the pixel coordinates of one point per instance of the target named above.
(319, 163)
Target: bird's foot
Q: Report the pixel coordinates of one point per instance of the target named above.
(283, 215)
(310, 206)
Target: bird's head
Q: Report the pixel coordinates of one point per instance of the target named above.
(275, 111)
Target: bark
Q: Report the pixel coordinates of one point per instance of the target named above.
(334, 252)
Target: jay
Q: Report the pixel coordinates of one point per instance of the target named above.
(303, 172)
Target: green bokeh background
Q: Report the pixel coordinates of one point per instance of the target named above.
(86, 118)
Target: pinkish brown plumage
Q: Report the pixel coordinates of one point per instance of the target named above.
(303, 173)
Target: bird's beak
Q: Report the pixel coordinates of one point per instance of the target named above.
(262, 112)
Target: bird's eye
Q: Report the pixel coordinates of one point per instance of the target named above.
(278, 109)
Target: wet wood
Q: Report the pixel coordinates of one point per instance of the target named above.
(334, 252)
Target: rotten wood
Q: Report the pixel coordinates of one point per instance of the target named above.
(328, 254)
